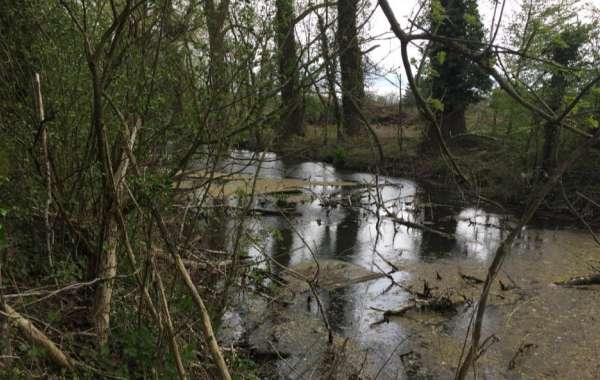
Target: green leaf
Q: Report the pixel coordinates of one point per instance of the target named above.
(436, 104)
(441, 57)
(559, 42)
(53, 316)
(438, 12)
(591, 122)
(470, 19)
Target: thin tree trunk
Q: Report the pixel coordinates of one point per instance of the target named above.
(552, 129)
(330, 69)
(207, 328)
(106, 270)
(40, 116)
(215, 20)
(104, 264)
(170, 330)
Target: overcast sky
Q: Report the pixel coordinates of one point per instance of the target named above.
(388, 52)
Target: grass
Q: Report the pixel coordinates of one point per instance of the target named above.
(358, 153)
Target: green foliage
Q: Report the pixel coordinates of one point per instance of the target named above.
(339, 156)
(591, 122)
(277, 235)
(244, 368)
(139, 343)
(438, 11)
(456, 81)
(471, 19)
(510, 115)
(153, 186)
(441, 57)
(313, 109)
(436, 104)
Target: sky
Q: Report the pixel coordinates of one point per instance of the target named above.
(387, 55)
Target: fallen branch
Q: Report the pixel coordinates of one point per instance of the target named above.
(524, 348)
(37, 337)
(440, 304)
(194, 264)
(471, 279)
(420, 227)
(591, 279)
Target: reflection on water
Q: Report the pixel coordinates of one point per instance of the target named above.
(478, 233)
(365, 235)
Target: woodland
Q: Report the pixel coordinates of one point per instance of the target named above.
(168, 166)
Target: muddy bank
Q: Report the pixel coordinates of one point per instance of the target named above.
(496, 173)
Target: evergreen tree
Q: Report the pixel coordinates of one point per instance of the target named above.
(455, 82)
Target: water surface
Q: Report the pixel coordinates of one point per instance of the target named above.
(555, 328)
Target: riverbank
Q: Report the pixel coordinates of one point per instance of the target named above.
(499, 177)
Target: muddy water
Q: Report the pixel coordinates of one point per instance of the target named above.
(535, 330)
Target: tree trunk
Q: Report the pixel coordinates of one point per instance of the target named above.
(330, 66)
(558, 85)
(557, 89)
(106, 270)
(452, 123)
(351, 66)
(215, 21)
(104, 264)
(292, 117)
(550, 150)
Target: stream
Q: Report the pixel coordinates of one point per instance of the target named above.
(533, 329)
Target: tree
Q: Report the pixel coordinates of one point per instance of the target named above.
(216, 15)
(564, 51)
(455, 81)
(292, 116)
(330, 73)
(553, 32)
(353, 87)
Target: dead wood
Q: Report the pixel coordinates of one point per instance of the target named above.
(591, 279)
(471, 279)
(440, 304)
(36, 337)
(524, 348)
(194, 264)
